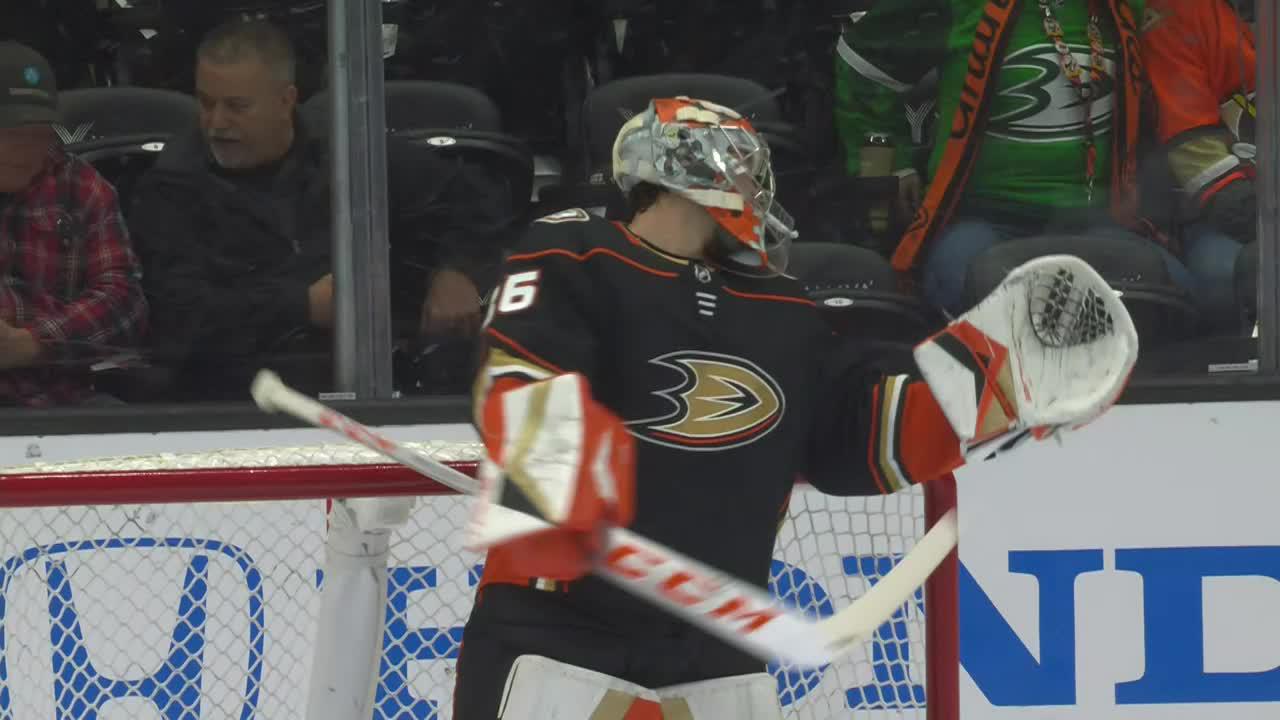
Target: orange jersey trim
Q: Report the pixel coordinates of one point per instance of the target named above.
(645, 245)
(771, 298)
(927, 446)
(500, 568)
(910, 439)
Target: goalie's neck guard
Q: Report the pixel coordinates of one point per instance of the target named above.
(712, 156)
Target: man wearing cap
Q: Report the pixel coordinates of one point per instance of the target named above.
(70, 285)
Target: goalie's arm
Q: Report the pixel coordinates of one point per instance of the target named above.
(874, 431)
(1048, 351)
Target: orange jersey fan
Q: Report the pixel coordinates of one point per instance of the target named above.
(1201, 59)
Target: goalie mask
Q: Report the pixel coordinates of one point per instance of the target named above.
(712, 156)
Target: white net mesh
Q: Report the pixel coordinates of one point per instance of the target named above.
(185, 611)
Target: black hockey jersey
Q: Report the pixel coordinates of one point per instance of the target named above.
(734, 387)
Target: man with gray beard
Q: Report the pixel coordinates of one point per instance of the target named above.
(233, 225)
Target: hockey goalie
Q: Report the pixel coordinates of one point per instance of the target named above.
(666, 375)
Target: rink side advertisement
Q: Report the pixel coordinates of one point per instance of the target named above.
(1133, 572)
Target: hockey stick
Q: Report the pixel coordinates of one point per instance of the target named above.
(735, 611)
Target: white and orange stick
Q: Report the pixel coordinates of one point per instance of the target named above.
(735, 611)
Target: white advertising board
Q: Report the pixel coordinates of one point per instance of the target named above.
(1131, 573)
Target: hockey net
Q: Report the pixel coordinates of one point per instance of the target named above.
(186, 586)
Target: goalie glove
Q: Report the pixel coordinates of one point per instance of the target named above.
(556, 454)
(1049, 350)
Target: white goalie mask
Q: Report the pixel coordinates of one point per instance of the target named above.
(712, 156)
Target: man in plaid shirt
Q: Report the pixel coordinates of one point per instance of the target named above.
(70, 285)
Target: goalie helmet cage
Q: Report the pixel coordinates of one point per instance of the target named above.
(185, 586)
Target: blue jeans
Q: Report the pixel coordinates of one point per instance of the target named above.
(1211, 258)
(947, 262)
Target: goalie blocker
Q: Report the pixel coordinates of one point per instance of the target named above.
(681, 330)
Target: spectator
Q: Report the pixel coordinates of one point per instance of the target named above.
(1202, 64)
(234, 227)
(1039, 113)
(70, 286)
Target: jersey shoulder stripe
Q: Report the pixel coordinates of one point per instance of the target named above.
(779, 294)
(577, 236)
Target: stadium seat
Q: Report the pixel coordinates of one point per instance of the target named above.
(418, 104)
(122, 159)
(501, 158)
(1162, 312)
(458, 121)
(464, 126)
(414, 104)
(760, 40)
(783, 45)
(101, 113)
(607, 108)
(858, 292)
(1232, 351)
(524, 54)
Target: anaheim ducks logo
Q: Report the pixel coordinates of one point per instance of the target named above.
(722, 402)
(1036, 104)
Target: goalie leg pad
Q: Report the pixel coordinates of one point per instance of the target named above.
(746, 697)
(539, 688)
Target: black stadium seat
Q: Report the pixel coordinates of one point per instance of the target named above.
(122, 159)
(420, 104)
(97, 113)
(458, 121)
(525, 54)
(121, 130)
(1234, 350)
(1162, 312)
(411, 103)
(858, 292)
(465, 126)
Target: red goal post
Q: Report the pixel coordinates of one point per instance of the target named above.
(187, 584)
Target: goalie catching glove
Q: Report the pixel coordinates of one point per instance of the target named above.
(1049, 350)
(556, 454)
